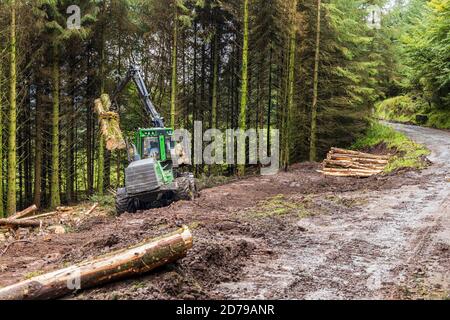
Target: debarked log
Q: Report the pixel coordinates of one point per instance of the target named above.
(24, 212)
(360, 154)
(344, 174)
(352, 164)
(136, 260)
(346, 157)
(368, 171)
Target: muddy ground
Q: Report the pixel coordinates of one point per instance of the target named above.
(296, 235)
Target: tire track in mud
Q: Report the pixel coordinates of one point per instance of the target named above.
(366, 253)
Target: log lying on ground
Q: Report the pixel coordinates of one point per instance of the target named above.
(351, 164)
(40, 216)
(360, 154)
(368, 171)
(338, 156)
(116, 265)
(19, 223)
(23, 213)
(346, 174)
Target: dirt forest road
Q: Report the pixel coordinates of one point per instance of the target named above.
(294, 235)
(396, 245)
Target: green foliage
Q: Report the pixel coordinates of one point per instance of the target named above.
(401, 108)
(411, 109)
(106, 201)
(419, 41)
(408, 153)
(427, 44)
(279, 205)
(349, 77)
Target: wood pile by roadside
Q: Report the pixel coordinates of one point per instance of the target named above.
(349, 163)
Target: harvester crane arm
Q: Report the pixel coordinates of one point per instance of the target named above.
(134, 73)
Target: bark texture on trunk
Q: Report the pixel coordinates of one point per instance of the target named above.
(12, 160)
(313, 138)
(136, 260)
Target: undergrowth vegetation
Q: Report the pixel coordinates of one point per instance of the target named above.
(414, 110)
(407, 153)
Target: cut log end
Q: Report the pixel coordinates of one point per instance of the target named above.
(349, 163)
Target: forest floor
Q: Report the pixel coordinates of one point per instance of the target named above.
(295, 235)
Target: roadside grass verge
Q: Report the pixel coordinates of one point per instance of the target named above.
(407, 153)
(413, 110)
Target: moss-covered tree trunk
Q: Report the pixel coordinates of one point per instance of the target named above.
(244, 86)
(101, 139)
(313, 138)
(54, 184)
(291, 83)
(173, 94)
(12, 161)
(269, 107)
(38, 152)
(70, 144)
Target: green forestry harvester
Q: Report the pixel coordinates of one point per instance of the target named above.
(151, 179)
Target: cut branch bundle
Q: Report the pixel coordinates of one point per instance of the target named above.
(136, 260)
(109, 124)
(349, 163)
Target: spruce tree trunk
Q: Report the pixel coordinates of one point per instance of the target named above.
(2, 212)
(195, 89)
(215, 81)
(244, 85)
(313, 139)
(101, 139)
(100, 165)
(70, 146)
(38, 152)
(54, 186)
(290, 86)
(11, 194)
(89, 128)
(269, 107)
(173, 95)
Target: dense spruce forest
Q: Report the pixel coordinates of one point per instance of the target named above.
(314, 69)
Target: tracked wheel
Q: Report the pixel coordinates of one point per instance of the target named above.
(187, 188)
(124, 203)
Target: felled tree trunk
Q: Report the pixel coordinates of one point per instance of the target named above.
(116, 265)
(19, 223)
(24, 213)
(360, 154)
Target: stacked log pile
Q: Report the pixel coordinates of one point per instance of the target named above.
(349, 163)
